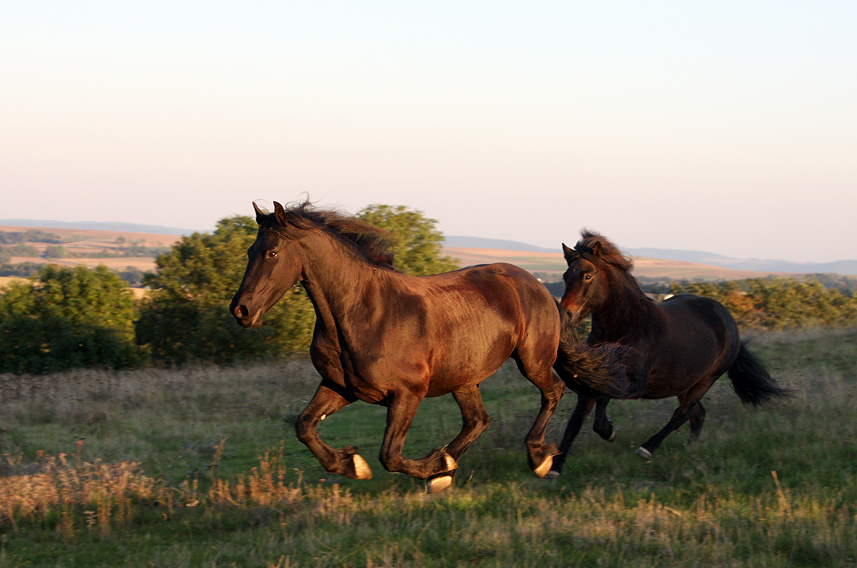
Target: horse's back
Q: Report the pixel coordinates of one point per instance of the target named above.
(488, 313)
(506, 287)
(689, 313)
(698, 338)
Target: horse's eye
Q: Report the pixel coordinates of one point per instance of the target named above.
(272, 253)
(587, 277)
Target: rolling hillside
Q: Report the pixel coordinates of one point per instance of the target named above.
(123, 250)
(112, 248)
(549, 266)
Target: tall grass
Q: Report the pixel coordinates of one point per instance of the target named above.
(199, 467)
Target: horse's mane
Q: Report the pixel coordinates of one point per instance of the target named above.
(371, 242)
(601, 248)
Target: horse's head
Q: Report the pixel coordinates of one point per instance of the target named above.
(275, 264)
(587, 280)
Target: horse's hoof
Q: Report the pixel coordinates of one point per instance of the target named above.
(438, 484)
(612, 437)
(644, 453)
(361, 468)
(552, 474)
(544, 468)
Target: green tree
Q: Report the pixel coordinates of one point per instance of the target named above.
(186, 315)
(416, 242)
(66, 318)
(55, 251)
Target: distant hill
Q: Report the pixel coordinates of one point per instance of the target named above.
(844, 267)
(96, 226)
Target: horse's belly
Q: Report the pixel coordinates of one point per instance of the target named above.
(447, 380)
(671, 378)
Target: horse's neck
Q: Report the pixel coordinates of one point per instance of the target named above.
(335, 276)
(626, 310)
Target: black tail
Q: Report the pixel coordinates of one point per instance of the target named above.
(595, 370)
(752, 381)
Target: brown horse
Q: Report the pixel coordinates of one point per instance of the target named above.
(392, 339)
(676, 348)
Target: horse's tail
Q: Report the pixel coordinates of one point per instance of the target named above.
(592, 370)
(752, 381)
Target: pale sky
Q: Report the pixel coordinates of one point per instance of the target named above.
(728, 127)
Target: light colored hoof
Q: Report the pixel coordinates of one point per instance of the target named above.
(612, 437)
(552, 474)
(543, 469)
(438, 484)
(361, 468)
(644, 453)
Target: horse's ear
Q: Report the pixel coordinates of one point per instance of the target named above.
(260, 215)
(279, 213)
(566, 252)
(596, 249)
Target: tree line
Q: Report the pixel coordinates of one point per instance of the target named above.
(65, 318)
(778, 303)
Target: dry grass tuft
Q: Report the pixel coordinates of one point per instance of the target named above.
(98, 494)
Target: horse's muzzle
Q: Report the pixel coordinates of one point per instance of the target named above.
(244, 318)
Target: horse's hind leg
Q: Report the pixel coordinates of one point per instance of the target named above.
(344, 461)
(575, 422)
(689, 409)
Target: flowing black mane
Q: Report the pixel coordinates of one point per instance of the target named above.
(601, 248)
(371, 242)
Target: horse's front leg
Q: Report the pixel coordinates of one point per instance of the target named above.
(344, 461)
(603, 426)
(401, 408)
(575, 422)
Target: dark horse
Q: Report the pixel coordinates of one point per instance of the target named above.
(677, 348)
(388, 338)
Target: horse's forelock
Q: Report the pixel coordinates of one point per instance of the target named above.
(600, 247)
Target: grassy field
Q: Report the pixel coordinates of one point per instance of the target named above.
(200, 467)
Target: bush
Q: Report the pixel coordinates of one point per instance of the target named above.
(66, 318)
(779, 303)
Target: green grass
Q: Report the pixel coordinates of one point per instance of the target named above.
(716, 502)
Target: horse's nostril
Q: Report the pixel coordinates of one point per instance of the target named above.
(241, 312)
